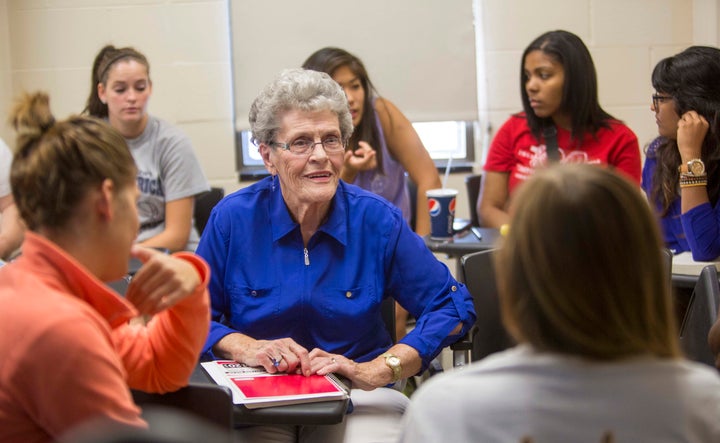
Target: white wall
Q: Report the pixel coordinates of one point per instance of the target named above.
(50, 44)
(626, 39)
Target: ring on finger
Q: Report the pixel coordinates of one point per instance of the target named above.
(332, 359)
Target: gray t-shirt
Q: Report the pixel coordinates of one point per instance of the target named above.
(521, 395)
(5, 162)
(167, 170)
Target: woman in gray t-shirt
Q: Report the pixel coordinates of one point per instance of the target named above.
(169, 174)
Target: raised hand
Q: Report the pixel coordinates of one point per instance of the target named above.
(362, 159)
(692, 128)
(161, 281)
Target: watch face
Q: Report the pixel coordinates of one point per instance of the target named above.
(393, 361)
(696, 167)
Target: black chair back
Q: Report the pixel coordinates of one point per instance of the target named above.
(412, 192)
(472, 186)
(204, 203)
(700, 316)
(387, 308)
(488, 335)
(210, 402)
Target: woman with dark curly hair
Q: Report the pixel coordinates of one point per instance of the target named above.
(680, 175)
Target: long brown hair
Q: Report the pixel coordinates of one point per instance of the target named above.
(104, 61)
(581, 271)
(328, 60)
(57, 162)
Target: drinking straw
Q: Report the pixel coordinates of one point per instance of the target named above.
(447, 172)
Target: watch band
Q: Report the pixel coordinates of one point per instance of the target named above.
(393, 362)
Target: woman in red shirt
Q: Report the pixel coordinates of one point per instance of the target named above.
(558, 85)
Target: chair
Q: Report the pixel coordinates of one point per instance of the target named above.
(488, 335)
(472, 185)
(700, 316)
(203, 206)
(387, 308)
(667, 256)
(213, 403)
(412, 192)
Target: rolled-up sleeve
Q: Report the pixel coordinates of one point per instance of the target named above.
(702, 230)
(426, 288)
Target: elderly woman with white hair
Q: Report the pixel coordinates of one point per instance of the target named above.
(302, 261)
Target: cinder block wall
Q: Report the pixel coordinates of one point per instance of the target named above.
(50, 45)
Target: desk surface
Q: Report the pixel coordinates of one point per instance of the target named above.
(320, 413)
(465, 242)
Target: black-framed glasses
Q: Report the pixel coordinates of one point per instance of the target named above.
(659, 98)
(304, 146)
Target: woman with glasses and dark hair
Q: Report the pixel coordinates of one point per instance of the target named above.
(583, 289)
(680, 175)
(562, 121)
(302, 261)
(169, 173)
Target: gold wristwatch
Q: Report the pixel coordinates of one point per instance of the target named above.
(694, 167)
(393, 362)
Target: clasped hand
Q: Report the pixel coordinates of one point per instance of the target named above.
(692, 128)
(285, 355)
(361, 159)
(161, 282)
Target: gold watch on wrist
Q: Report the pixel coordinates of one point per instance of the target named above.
(393, 362)
(694, 167)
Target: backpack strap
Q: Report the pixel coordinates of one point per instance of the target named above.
(551, 145)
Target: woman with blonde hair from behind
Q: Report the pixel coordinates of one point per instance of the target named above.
(584, 291)
(67, 352)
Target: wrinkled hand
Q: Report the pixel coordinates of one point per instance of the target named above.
(161, 281)
(362, 377)
(282, 355)
(362, 159)
(692, 129)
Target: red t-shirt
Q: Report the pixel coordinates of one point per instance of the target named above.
(515, 150)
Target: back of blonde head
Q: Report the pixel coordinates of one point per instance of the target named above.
(57, 162)
(581, 271)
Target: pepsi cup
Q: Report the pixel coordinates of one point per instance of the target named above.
(441, 203)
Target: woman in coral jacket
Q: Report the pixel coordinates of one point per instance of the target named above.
(68, 355)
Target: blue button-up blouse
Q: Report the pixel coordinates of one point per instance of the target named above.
(266, 284)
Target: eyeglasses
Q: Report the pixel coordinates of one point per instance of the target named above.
(657, 99)
(305, 146)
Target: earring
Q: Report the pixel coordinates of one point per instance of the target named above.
(273, 182)
(103, 102)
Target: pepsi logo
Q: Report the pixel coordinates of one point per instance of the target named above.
(434, 207)
(451, 207)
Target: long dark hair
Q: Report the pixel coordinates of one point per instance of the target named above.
(330, 59)
(580, 98)
(104, 60)
(692, 78)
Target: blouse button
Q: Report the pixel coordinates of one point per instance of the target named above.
(453, 288)
(348, 294)
(253, 293)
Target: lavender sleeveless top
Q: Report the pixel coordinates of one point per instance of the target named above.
(391, 184)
